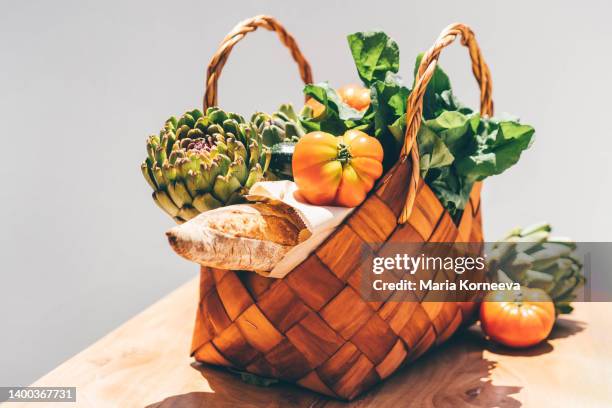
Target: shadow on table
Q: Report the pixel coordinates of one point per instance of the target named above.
(230, 391)
(566, 328)
(563, 328)
(453, 375)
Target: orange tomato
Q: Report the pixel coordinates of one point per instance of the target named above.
(355, 96)
(330, 170)
(517, 318)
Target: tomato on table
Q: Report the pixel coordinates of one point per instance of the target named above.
(517, 318)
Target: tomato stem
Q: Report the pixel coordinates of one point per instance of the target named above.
(344, 153)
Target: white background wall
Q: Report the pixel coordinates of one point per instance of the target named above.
(83, 83)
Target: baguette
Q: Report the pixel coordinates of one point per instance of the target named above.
(252, 237)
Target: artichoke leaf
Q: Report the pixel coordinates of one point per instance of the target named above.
(206, 202)
(162, 199)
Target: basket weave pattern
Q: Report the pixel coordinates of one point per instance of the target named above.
(313, 327)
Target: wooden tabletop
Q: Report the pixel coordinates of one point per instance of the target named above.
(145, 363)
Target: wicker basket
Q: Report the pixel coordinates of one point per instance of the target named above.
(312, 327)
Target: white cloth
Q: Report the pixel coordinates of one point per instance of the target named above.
(321, 221)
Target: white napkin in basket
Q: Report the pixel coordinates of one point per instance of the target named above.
(321, 221)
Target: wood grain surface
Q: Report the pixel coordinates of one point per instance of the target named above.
(146, 363)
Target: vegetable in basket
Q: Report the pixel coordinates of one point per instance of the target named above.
(281, 131)
(281, 126)
(282, 155)
(203, 161)
(457, 146)
(330, 170)
(355, 96)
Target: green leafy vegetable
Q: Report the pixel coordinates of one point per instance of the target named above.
(451, 126)
(479, 147)
(498, 148)
(375, 55)
(377, 60)
(457, 146)
(452, 190)
(434, 153)
(387, 106)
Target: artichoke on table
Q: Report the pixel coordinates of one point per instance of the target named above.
(534, 258)
(202, 161)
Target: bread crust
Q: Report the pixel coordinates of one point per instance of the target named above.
(252, 237)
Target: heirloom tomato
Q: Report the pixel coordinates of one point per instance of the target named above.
(517, 318)
(336, 170)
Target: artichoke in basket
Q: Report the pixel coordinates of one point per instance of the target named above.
(283, 125)
(535, 259)
(203, 161)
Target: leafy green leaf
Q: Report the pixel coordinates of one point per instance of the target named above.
(388, 105)
(376, 58)
(432, 150)
(480, 148)
(452, 190)
(453, 123)
(398, 129)
(375, 55)
(448, 101)
(497, 149)
(452, 127)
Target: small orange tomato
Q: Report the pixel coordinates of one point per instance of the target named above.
(355, 96)
(517, 318)
(330, 170)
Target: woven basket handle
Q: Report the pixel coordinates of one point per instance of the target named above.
(414, 109)
(215, 67)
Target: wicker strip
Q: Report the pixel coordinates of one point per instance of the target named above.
(313, 327)
(216, 64)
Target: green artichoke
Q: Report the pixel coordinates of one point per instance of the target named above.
(203, 161)
(535, 259)
(283, 125)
